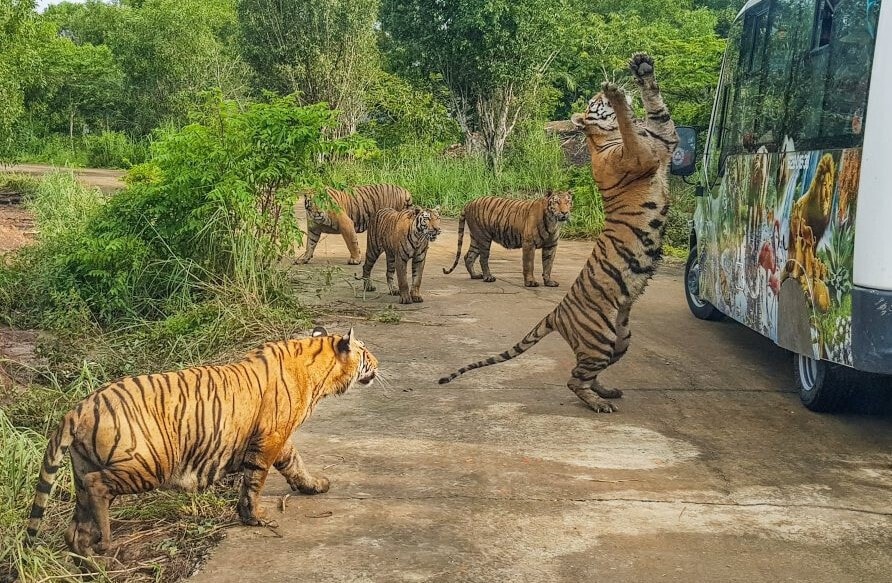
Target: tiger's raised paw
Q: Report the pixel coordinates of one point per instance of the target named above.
(319, 486)
(642, 66)
(613, 92)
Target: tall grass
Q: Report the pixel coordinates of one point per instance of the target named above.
(534, 164)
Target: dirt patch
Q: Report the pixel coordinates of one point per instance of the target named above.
(17, 227)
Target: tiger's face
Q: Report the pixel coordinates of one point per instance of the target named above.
(313, 211)
(353, 354)
(559, 205)
(599, 117)
(427, 223)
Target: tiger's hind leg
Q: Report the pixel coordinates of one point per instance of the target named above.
(101, 488)
(584, 384)
(488, 277)
(471, 257)
(82, 532)
(290, 465)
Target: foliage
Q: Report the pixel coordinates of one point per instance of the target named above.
(218, 211)
(489, 55)
(398, 113)
(681, 39)
(113, 150)
(324, 50)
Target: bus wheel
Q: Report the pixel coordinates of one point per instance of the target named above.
(822, 386)
(698, 306)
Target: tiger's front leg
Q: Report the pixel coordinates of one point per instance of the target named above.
(548, 253)
(348, 232)
(290, 465)
(657, 115)
(529, 257)
(417, 272)
(313, 235)
(402, 279)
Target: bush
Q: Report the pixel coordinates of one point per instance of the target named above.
(216, 211)
(113, 150)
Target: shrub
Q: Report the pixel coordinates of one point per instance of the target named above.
(112, 150)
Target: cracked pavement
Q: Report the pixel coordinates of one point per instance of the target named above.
(711, 470)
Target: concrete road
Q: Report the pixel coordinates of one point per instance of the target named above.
(710, 471)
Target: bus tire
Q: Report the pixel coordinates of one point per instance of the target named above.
(698, 306)
(823, 386)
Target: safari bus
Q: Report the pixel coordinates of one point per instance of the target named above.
(792, 233)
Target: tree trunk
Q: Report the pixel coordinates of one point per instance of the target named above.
(497, 114)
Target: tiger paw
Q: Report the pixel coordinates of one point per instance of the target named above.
(531, 283)
(489, 278)
(256, 518)
(607, 393)
(417, 299)
(302, 260)
(476, 276)
(352, 261)
(405, 299)
(551, 283)
(317, 486)
(642, 66)
(369, 287)
(613, 92)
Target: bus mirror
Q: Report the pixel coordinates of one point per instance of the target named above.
(683, 158)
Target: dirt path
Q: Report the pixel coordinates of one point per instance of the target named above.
(710, 471)
(105, 179)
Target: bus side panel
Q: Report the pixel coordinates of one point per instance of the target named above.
(776, 240)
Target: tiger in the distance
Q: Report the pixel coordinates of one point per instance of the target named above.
(514, 224)
(189, 428)
(357, 207)
(630, 160)
(403, 236)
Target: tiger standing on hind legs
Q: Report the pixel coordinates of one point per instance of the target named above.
(630, 162)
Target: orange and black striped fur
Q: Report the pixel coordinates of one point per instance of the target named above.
(630, 160)
(514, 224)
(187, 429)
(355, 209)
(403, 236)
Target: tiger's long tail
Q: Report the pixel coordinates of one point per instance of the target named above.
(542, 329)
(52, 459)
(461, 236)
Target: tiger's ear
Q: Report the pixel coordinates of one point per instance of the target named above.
(319, 331)
(345, 342)
(417, 210)
(578, 120)
(548, 193)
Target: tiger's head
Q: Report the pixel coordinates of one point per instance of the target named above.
(358, 365)
(427, 222)
(599, 117)
(313, 211)
(559, 205)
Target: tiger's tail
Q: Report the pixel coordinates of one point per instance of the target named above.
(461, 236)
(52, 459)
(542, 329)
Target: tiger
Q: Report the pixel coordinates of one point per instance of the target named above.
(630, 160)
(356, 209)
(513, 224)
(187, 429)
(404, 237)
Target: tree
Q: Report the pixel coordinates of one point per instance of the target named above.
(324, 50)
(489, 55)
(681, 39)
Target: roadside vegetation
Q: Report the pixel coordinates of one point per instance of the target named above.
(221, 128)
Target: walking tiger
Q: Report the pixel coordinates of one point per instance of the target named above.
(630, 161)
(356, 209)
(403, 236)
(513, 224)
(189, 428)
